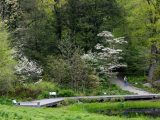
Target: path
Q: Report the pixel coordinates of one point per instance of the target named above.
(129, 87)
(140, 94)
(54, 101)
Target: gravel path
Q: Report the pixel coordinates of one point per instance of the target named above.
(129, 87)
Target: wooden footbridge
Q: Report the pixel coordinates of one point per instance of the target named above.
(54, 101)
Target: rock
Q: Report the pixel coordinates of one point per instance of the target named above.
(147, 85)
(156, 83)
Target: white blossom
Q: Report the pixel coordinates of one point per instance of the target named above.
(117, 66)
(106, 34)
(28, 67)
(87, 57)
(120, 40)
(110, 55)
(99, 46)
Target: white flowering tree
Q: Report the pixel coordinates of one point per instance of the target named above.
(107, 55)
(28, 69)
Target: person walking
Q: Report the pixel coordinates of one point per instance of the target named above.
(125, 81)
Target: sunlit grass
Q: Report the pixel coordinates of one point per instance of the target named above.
(73, 112)
(92, 107)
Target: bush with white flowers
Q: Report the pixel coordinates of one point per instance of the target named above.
(107, 55)
(28, 69)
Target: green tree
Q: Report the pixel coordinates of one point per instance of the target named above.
(39, 26)
(84, 19)
(10, 12)
(7, 63)
(153, 25)
(143, 32)
(68, 70)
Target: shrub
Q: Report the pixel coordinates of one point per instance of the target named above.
(57, 70)
(40, 90)
(46, 86)
(157, 74)
(71, 73)
(86, 100)
(156, 85)
(68, 102)
(68, 70)
(5, 101)
(44, 94)
(93, 82)
(27, 92)
(66, 93)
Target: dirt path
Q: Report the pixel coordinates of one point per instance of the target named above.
(129, 88)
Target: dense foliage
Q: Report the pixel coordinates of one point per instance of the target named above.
(49, 38)
(7, 63)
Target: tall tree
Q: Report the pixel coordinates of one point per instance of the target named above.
(153, 24)
(10, 12)
(143, 27)
(7, 63)
(58, 17)
(82, 20)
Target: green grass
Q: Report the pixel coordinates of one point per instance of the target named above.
(93, 107)
(74, 112)
(13, 113)
(116, 90)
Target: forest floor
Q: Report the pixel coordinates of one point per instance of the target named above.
(129, 87)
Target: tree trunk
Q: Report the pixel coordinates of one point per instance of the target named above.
(151, 72)
(58, 19)
(154, 50)
(153, 62)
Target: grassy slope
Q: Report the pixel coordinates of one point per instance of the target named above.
(140, 81)
(75, 112)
